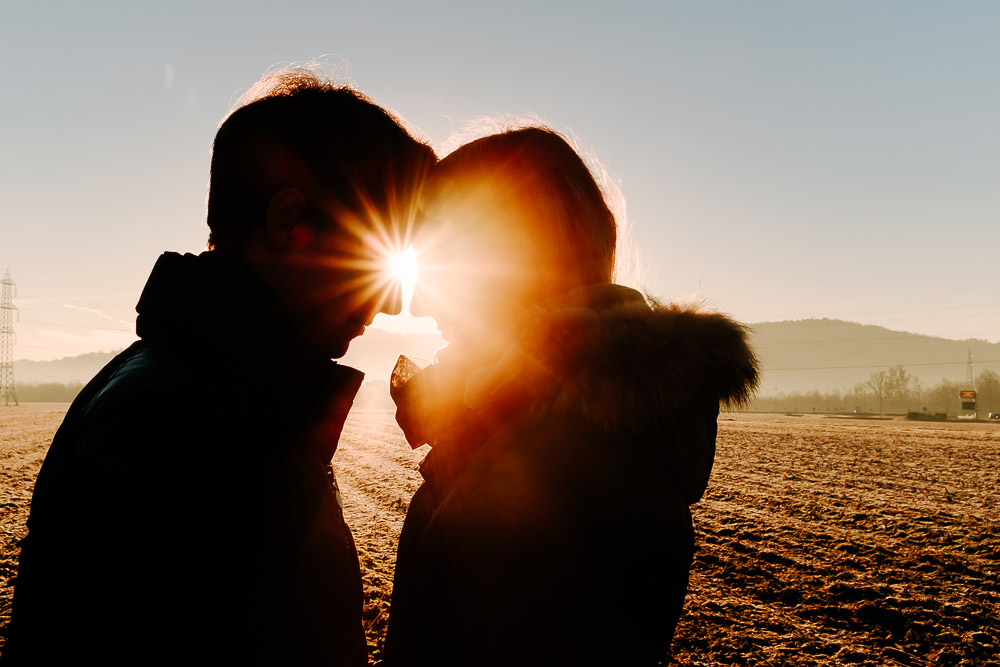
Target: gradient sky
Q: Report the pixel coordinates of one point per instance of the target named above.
(780, 160)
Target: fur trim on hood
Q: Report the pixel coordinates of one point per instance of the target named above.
(625, 361)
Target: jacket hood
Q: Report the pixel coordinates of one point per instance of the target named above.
(622, 360)
(211, 301)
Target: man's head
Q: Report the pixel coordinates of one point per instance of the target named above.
(313, 184)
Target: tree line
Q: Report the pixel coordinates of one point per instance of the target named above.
(47, 392)
(892, 391)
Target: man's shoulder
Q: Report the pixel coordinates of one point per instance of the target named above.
(153, 386)
(142, 371)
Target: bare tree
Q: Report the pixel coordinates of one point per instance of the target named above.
(861, 395)
(902, 389)
(988, 391)
(944, 396)
(879, 384)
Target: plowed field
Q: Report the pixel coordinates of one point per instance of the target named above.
(820, 541)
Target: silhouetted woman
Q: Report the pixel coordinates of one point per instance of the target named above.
(572, 423)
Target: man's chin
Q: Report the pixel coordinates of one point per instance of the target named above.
(339, 349)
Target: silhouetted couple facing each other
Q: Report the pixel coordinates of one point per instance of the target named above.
(187, 512)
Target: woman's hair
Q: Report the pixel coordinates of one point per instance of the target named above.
(555, 195)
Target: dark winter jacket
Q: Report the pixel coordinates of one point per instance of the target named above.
(553, 526)
(184, 513)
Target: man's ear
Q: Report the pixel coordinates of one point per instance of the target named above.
(286, 227)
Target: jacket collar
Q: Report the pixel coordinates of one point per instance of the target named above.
(214, 309)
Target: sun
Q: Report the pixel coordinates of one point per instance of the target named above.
(402, 267)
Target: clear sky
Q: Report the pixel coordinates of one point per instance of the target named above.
(780, 160)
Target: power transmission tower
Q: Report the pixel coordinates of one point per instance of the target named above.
(7, 308)
(968, 372)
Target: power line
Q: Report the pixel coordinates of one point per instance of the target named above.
(928, 363)
(828, 342)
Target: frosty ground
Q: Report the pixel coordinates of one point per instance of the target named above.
(820, 541)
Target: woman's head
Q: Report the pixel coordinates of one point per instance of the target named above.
(513, 218)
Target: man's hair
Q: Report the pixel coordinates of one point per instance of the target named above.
(295, 129)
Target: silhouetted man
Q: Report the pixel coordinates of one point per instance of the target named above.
(185, 511)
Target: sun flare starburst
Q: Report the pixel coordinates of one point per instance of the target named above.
(402, 267)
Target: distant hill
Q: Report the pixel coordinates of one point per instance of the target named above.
(800, 356)
(66, 370)
(828, 354)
